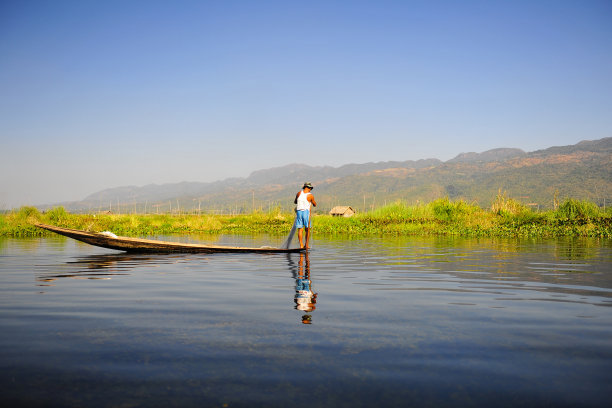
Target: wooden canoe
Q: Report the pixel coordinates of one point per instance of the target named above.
(149, 245)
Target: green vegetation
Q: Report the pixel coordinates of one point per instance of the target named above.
(505, 218)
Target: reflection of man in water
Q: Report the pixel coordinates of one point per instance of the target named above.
(305, 298)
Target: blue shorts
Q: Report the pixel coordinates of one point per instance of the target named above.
(301, 219)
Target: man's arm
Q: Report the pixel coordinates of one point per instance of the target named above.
(296, 197)
(311, 199)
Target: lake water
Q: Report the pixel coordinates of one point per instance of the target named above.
(357, 322)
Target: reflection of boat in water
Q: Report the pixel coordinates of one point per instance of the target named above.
(105, 266)
(112, 241)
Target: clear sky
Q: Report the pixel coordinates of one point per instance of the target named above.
(99, 94)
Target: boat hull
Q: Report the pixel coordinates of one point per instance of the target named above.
(148, 245)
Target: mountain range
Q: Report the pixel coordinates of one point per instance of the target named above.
(582, 171)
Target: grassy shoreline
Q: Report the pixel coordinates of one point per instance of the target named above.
(506, 218)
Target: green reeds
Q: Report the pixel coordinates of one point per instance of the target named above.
(505, 206)
(578, 210)
(505, 218)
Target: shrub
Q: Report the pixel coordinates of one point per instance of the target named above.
(27, 212)
(503, 205)
(397, 211)
(577, 209)
(446, 210)
(57, 215)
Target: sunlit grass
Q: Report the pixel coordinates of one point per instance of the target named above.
(506, 217)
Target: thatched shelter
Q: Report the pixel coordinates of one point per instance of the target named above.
(342, 211)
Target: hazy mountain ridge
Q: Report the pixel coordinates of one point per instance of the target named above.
(153, 192)
(583, 170)
(289, 174)
(596, 146)
(487, 156)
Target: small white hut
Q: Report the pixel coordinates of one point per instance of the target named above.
(342, 211)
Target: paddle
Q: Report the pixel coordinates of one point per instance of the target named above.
(308, 238)
(287, 242)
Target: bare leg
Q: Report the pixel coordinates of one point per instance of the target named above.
(307, 236)
(300, 237)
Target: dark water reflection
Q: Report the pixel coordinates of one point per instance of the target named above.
(362, 322)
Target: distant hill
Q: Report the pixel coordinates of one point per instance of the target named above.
(488, 156)
(583, 170)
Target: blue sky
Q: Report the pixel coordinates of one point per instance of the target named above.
(99, 94)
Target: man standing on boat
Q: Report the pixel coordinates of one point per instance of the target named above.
(304, 199)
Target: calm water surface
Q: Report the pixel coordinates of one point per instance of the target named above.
(364, 322)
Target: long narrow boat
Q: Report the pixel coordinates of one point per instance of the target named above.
(111, 241)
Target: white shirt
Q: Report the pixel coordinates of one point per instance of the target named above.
(302, 202)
